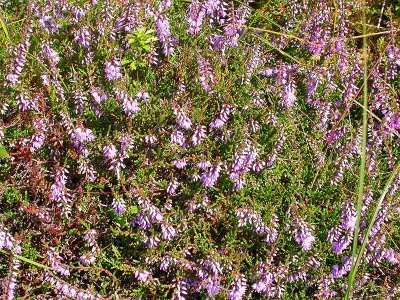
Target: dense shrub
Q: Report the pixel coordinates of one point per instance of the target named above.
(196, 149)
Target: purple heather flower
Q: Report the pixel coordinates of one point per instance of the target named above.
(97, 95)
(68, 290)
(48, 23)
(110, 151)
(182, 119)
(18, 61)
(180, 290)
(393, 54)
(172, 187)
(341, 236)
(143, 276)
(126, 144)
(167, 262)
(207, 78)
(143, 95)
(79, 136)
(392, 256)
(302, 233)
(204, 165)
(39, 137)
(209, 268)
(238, 288)
(90, 237)
(87, 258)
(242, 162)
(164, 5)
(48, 52)
(349, 216)
(199, 135)
(164, 35)
(55, 260)
(289, 95)
(338, 271)
(26, 102)
(152, 241)
(180, 163)
(211, 176)
(150, 140)
(82, 37)
(177, 137)
(129, 104)
(142, 220)
(212, 285)
(249, 217)
(113, 69)
(10, 284)
(253, 64)
(168, 232)
(148, 215)
(79, 101)
(58, 190)
(195, 16)
(220, 121)
(119, 206)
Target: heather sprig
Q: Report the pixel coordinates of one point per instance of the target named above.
(199, 149)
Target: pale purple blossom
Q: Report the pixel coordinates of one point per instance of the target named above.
(48, 23)
(129, 104)
(80, 136)
(177, 137)
(8, 242)
(83, 37)
(168, 232)
(98, 95)
(10, 283)
(221, 120)
(143, 276)
(302, 232)
(199, 134)
(18, 63)
(204, 165)
(180, 163)
(207, 78)
(58, 189)
(39, 137)
(55, 261)
(152, 241)
(52, 55)
(209, 177)
(110, 151)
(238, 288)
(195, 16)
(112, 70)
(164, 35)
(119, 206)
(182, 119)
(26, 102)
(87, 258)
(172, 187)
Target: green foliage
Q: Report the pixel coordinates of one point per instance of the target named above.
(140, 42)
(3, 152)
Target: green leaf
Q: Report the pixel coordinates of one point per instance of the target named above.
(133, 65)
(132, 210)
(3, 152)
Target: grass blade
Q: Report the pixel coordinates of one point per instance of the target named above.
(355, 261)
(4, 26)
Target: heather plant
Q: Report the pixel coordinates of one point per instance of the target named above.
(203, 149)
